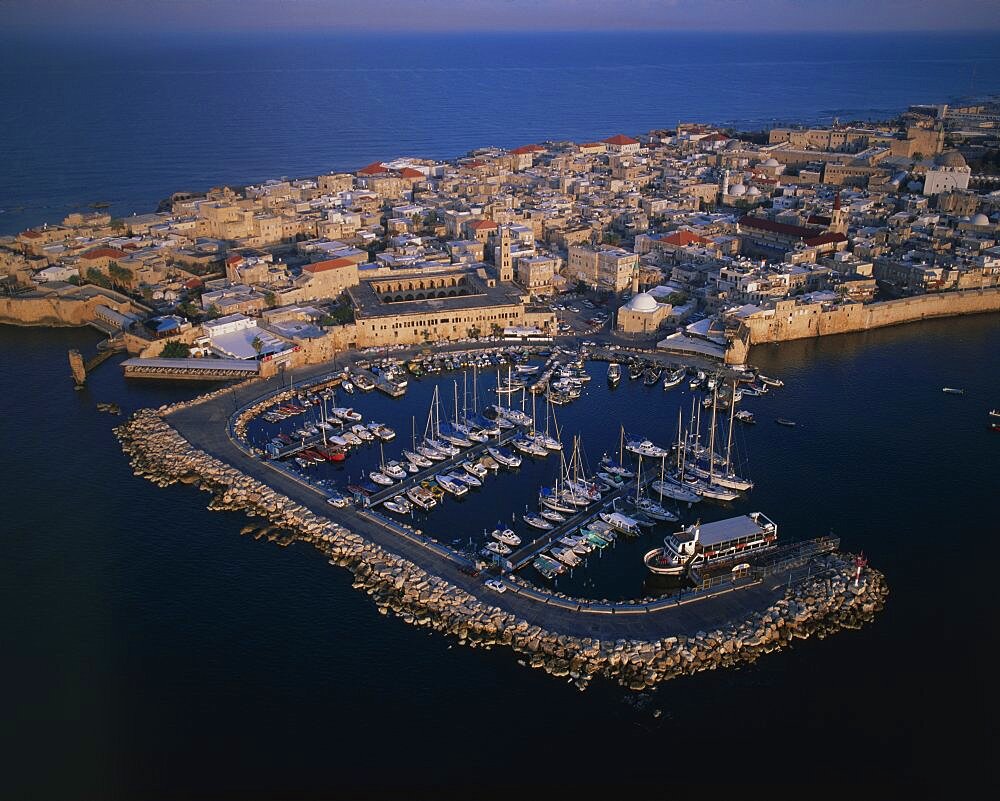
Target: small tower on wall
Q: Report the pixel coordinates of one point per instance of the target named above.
(504, 263)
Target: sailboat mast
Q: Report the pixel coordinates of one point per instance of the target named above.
(729, 438)
(621, 447)
(711, 440)
(638, 473)
(680, 447)
(456, 402)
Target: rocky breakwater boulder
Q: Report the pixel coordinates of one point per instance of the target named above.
(827, 602)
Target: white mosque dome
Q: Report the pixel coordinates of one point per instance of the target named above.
(737, 190)
(642, 302)
(980, 219)
(771, 162)
(753, 191)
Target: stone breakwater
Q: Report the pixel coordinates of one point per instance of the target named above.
(824, 604)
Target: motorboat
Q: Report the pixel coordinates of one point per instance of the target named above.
(346, 413)
(771, 382)
(620, 522)
(784, 422)
(474, 468)
(498, 548)
(362, 431)
(394, 470)
(465, 478)
(399, 505)
(953, 391)
(646, 448)
(447, 483)
(382, 431)
(745, 416)
(348, 387)
(351, 438)
(421, 497)
(506, 536)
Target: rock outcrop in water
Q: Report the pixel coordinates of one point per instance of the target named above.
(826, 603)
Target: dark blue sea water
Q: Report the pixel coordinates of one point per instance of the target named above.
(131, 120)
(150, 651)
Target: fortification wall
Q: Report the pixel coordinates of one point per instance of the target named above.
(789, 322)
(46, 311)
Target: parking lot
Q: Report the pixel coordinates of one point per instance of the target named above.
(579, 315)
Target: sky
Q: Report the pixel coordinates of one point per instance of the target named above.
(171, 16)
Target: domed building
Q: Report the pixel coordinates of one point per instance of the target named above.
(980, 219)
(948, 173)
(642, 314)
(737, 190)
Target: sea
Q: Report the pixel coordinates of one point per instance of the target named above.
(150, 651)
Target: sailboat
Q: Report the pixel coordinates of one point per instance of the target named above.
(647, 505)
(673, 486)
(720, 474)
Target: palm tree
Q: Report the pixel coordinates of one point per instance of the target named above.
(257, 345)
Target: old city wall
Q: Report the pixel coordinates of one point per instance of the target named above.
(47, 311)
(788, 322)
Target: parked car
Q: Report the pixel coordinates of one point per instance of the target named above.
(496, 584)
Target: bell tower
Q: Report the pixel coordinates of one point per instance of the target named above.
(505, 268)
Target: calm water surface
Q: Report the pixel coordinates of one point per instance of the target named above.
(130, 122)
(153, 652)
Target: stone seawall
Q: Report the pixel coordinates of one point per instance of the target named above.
(787, 322)
(45, 311)
(825, 603)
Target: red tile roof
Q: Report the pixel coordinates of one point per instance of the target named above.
(103, 253)
(715, 137)
(481, 225)
(193, 283)
(329, 264)
(31, 234)
(684, 238)
(236, 257)
(409, 172)
(592, 144)
(810, 236)
(620, 139)
(518, 151)
(373, 169)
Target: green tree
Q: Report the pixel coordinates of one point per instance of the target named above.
(270, 299)
(581, 287)
(176, 350)
(95, 276)
(119, 274)
(611, 238)
(213, 312)
(257, 345)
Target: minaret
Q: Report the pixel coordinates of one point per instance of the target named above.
(505, 269)
(725, 184)
(635, 282)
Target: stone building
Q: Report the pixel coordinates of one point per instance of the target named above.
(641, 315)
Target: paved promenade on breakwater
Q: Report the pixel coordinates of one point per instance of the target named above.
(205, 426)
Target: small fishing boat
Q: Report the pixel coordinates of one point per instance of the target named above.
(362, 431)
(421, 497)
(614, 373)
(953, 391)
(771, 382)
(784, 421)
(673, 378)
(745, 416)
(994, 412)
(394, 506)
(348, 387)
